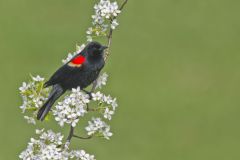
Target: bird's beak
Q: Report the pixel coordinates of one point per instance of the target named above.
(103, 48)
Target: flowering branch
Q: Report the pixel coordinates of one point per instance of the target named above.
(107, 53)
(75, 105)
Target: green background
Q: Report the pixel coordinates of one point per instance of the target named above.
(174, 68)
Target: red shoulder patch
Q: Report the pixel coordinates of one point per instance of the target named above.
(78, 60)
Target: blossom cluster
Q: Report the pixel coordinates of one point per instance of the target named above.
(99, 128)
(71, 108)
(49, 146)
(106, 104)
(104, 17)
(101, 81)
(33, 95)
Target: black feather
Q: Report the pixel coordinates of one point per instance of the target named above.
(56, 92)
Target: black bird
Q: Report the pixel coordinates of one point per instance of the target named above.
(80, 71)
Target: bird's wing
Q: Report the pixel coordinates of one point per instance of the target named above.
(66, 71)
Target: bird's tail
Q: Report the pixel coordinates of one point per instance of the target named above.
(56, 92)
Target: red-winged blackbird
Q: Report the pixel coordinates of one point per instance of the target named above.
(80, 71)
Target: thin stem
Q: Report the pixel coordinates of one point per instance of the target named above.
(89, 137)
(91, 109)
(124, 3)
(70, 135)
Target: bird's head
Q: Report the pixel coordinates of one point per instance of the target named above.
(95, 49)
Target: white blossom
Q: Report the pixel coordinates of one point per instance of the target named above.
(51, 152)
(97, 96)
(98, 126)
(114, 103)
(102, 80)
(38, 78)
(39, 131)
(114, 24)
(106, 133)
(71, 108)
(80, 48)
(52, 137)
(108, 114)
(24, 87)
(90, 30)
(105, 16)
(97, 19)
(107, 103)
(48, 147)
(107, 9)
(107, 99)
(81, 154)
(23, 107)
(44, 148)
(89, 38)
(30, 120)
(33, 96)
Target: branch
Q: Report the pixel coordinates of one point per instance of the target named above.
(70, 135)
(124, 3)
(107, 53)
(89, 137)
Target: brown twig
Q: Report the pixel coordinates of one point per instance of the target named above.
(122, 6)
(109, 37)
(70, 135)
